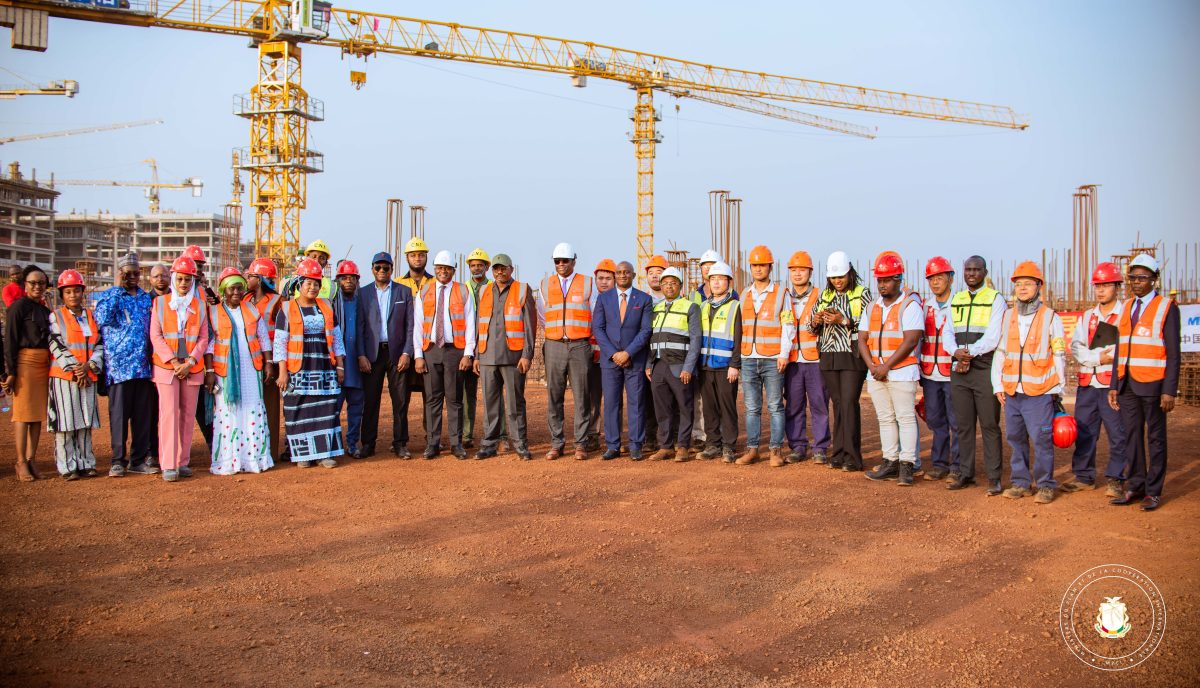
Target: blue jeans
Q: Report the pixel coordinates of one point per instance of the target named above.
(757, 374)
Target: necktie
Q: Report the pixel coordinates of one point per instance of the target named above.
(439, 327)
(623, 304)
(1137, 310)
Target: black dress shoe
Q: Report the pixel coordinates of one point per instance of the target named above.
(524, 455)
(961, 483)
(611, 454)
(485, 453)
(431, 452)
(458, 451)
(635, 455)
(468, 443)
(888, 470)
(1127, 498)
(1150, 503)
(994, 488)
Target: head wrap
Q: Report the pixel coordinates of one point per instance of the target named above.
(232, 279)
(128, 260)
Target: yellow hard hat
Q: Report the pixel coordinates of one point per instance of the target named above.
(479, 254)
(318, 245)
(415, 245)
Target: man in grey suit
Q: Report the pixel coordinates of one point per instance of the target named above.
(675, 336)
(507, 328)
(385, 328)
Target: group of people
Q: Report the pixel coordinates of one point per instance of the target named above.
(661, 367)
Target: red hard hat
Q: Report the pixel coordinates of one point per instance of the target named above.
(228, 272)
(309, 268)
(1107, 273)
(936, 266)
(1064, 430)
(921, 408)
(195, 253)
(184, 265)
(347, 267)
(263, 267)
(888, 264)
(70, 278)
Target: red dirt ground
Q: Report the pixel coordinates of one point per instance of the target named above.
(501, 572)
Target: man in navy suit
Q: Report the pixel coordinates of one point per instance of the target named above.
(621, 325)
(385, 327)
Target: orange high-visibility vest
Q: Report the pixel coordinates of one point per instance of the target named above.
(295, 346)
(81, 347)
(169, 323)
(806, 342)
(514, 318)
(223, 324)
(268, 308)
(458, 313)
(569, 317)
(1030, 365)
(1142, 348)
(1103, 372)
(763, 326)
(933, 355)
(886, 333)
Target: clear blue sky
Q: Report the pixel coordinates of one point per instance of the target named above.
(514, 161)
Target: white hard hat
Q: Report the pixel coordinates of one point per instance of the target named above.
(444, 258)
(710, 256)
(838, 264)
(721, 268)
(1144, 260)
(563, 250)
(672, 272)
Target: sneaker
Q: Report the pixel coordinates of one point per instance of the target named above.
(796, 456)
(1045, 495)
(141, 469)
(888, 470)
(905, 477)
(1115, 488)
(185, 472)
(329, 463)
(953, 476)
(937, 473)
(117, 471)
(820, 457)
(960, 483)
(710, 453)
(728, 455)
(1017, 492)
(994, 488)
(1077, 486)
(170, 475)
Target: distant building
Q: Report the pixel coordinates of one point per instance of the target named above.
(26, 220)
(86, 243)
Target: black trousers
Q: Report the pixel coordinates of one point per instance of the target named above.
(204, 416)
(132, 415)
(398, 390)
(719, 407)
(972, 398)
(845, 390)
(442, 390)
(674, 405)
(1146, 442)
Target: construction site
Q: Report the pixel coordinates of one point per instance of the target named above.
(508, 573)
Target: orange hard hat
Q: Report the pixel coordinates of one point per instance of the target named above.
(606, 265)
(800, 259)
(657, 262)
(888, 264)
(1027, 268)
(195, 253)
(309, 268)
(228, 272)
(263, 267)
(1106, 273)
(184, 265)
(347, 267)
(936, 266)
(70, 278)
(761, 255)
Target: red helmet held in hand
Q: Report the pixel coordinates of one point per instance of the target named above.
(1064, 430)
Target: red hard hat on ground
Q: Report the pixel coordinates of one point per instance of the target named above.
(1064, 430)
(228, 272)
(347, 267)
(888, 264)
(936, 266)
(263, 267)
(309, 268)
(1107, 273)
(195, 253)
(184, 266)
(70, 278)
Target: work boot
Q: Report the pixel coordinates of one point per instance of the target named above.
(23, 472)
(953, 477)
(1115, 489)
(888, 470)
(777, 458)
(728, 455)
(661, 455)
(749, 457)
(819, 457)
(936, 473)
(960, 483)
(682, 454)
(1017, 492)
(1077, 486)
(1045, 495)
(794, 456)
(906, 474)
(710, 453)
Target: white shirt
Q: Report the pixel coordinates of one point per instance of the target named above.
(913, 318)
(448, 328)
(942, 316)
(1024, 322)
(1145, 301)
(991, 336)
(564, 283)
(1089, 359)
(787, 331)
(383, 300)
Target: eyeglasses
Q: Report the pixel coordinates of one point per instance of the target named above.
(1139, 278)
(36, 283)
(384, 267)
(561, 261)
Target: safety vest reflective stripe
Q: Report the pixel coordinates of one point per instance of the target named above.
(1030, 365)
(933, 356)
(886, 334)
(972, 313)
(1103, 372)
(458, 313)
(569, 317)
(716, 343)
(854, 296)
(295, 347)
(1142, 348)
(223, 324)
(81, 347)
(669, 336)
(762, 330)
(805, 345)
(514, 322)
(169, 324)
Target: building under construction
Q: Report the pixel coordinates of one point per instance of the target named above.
(91, 246)
(26, 220)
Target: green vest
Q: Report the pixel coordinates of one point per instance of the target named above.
(854, 295)
(971, 313)
(669, 337)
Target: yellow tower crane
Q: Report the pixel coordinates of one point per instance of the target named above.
(65, 87)
(76, 132)
(152, 187)
(279, 109)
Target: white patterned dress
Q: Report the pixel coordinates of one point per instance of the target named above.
(241, 434)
